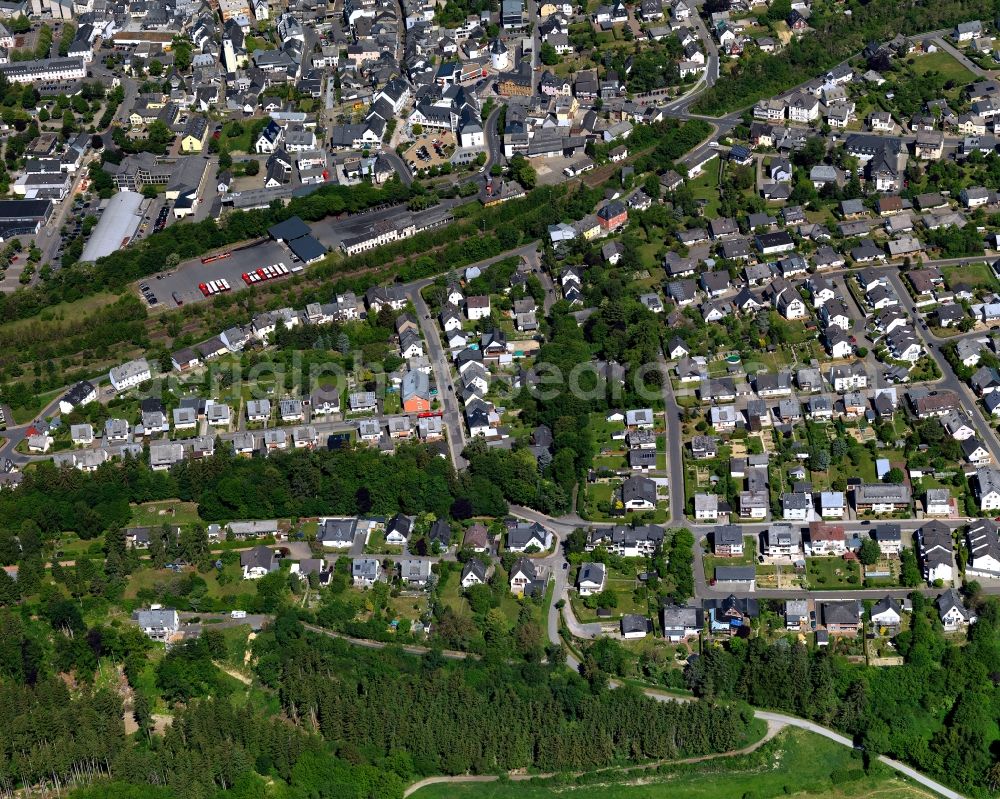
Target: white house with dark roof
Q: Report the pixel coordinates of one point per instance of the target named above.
(952, 611)
(523, 536)
(983, 538)
(591, 579)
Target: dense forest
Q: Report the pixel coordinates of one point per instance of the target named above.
(937, 712)
(835, 37)
(355, 723)
(480, 716)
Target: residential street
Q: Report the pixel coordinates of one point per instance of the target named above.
(675, 448)
(451, 412)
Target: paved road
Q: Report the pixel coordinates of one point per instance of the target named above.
(712, 62)
(401, 167)
(494, 144)
(675, 448)
(451, 412)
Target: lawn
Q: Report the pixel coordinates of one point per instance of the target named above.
(451, 593)
(511, 606)
(831, 573)
(171, 511)
(71, 546)
(748, 559)
(796, 763)
(706, 187)
(257, 43)
(865, 469)
(973, 275)
(239, 137)
(392, 403)
(227, 595)
(624, 589)
(647, 253)
(946, 64)
(23, 415)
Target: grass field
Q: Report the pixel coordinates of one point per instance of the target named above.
(228, 594)
(973, 275)
(706, 187)
(796, 763)
(946, 64)
(827, 573)
(171, 511)
(63, 312)
(23, 415)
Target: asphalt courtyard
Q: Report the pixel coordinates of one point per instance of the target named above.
(185, 278)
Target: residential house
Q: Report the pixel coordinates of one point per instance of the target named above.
(889, 538)
(727, 541)
(365, 572)
(526, 579)
(591, 579)
(887, 612)
(983, 538)
(826, 539)
(398, 530)
(842, 618)
(936, 554)
(679, 623)
(524, 536)
(258, 562)
(782, 540)
(881, 498)
(952, 611)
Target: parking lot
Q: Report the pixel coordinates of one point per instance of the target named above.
(424, 153)
(184, 280)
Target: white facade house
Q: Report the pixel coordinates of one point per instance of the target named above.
(984, 549)
(988, 479)
(129, 375)
(591, 579)
(45, 70)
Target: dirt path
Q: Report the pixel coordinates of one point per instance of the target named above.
(234, 674)
(773, 728)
